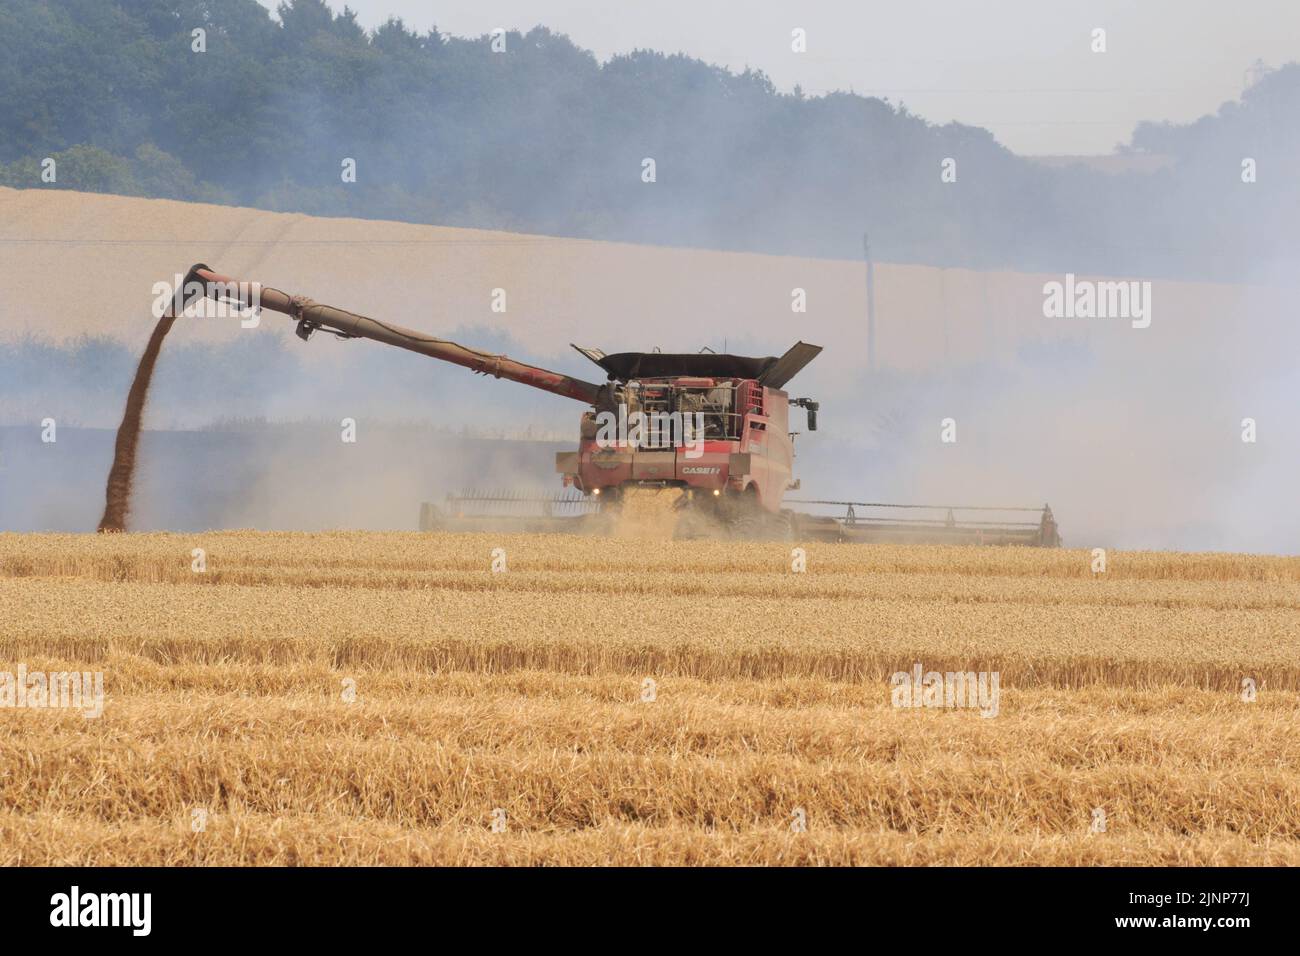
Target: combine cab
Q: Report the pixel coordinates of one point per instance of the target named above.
(715, 427)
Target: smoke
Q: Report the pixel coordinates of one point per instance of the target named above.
(1134, 436)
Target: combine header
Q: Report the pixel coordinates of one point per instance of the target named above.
(526, 512)
(713, 426)
(939, 524)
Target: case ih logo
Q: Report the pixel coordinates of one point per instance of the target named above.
(698, 470)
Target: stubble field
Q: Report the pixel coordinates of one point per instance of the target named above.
(385, 698)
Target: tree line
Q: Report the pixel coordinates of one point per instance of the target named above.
(307, 111)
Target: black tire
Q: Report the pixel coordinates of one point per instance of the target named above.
(752, 523)
(747, 520)
(747, 525)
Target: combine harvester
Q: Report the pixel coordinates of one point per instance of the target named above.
(713, 426)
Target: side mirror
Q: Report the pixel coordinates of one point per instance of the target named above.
(812, 408)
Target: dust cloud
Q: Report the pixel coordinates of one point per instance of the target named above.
(1133, 435)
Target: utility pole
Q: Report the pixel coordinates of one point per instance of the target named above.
(871, 303)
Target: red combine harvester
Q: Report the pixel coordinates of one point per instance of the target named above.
(714, 426)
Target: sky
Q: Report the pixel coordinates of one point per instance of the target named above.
(1021, 68)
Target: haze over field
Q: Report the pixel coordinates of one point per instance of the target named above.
(1132, 434)
(528, 157)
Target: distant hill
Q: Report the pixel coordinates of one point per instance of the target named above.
(542, 137)
(1104, 421)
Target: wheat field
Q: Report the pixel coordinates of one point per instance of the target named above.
(387, 698)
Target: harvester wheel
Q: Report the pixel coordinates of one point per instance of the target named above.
(748, 522)
(745, 525)
(752, 523)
